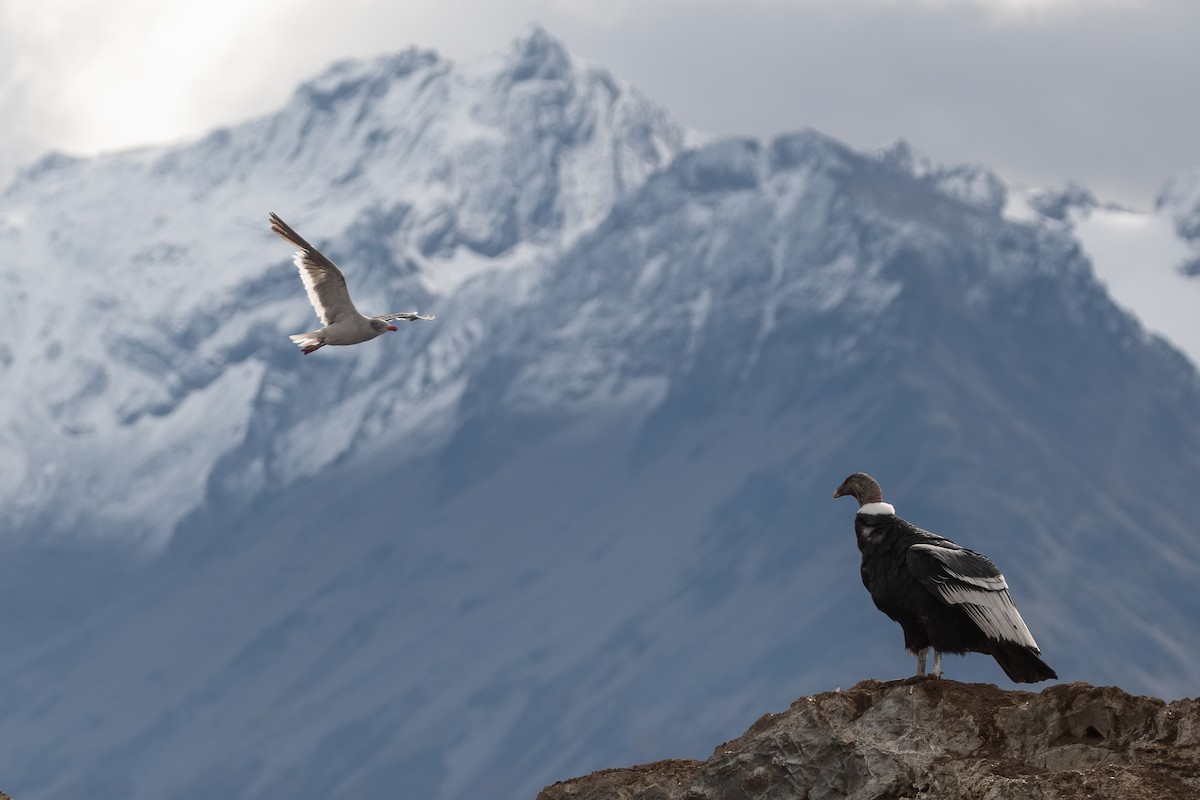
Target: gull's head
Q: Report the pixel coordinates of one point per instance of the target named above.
(380, 325)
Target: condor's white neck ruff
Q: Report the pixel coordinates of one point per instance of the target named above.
(877, 508)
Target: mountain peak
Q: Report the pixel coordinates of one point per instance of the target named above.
(937, 737)
(972, 184)
(1180, 198)
(346, 78)
(903, 156)
(792, 149)
(1058, 203)
(538, 54)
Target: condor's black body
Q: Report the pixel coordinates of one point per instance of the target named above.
(944, 596)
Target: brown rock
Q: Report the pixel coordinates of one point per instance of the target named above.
(936, 739)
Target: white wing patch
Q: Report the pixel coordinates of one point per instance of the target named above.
(985, 599)
(309, 287)
(326, 292)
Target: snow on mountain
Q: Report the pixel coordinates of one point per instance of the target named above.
(1140, 256)
(970, 183)
(582, 519)
(416, 172)
(1180, 199)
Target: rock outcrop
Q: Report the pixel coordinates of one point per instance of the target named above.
(936, 739)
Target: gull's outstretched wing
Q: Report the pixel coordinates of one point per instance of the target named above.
(324, 282)
(411, 316)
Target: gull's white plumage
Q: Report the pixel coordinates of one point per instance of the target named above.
(326, 288)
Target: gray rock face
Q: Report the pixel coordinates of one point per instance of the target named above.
(940, 739)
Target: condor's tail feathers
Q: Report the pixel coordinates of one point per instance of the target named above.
(1021, 664)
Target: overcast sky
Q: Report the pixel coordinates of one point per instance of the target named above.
(1099, 91)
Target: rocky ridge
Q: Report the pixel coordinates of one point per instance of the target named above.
(936, 738)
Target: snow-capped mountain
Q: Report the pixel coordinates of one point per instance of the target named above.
(424, 172)
(583, 518)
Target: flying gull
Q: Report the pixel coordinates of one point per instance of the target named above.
(326, 287)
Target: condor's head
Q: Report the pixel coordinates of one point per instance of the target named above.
(862, 487)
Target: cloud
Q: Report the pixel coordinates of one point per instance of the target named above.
(1044, 90)
(1024, 11)
(88, 77)
(1017, 12)
(1099, 97)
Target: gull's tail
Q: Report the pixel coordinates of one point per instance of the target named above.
(308, 342)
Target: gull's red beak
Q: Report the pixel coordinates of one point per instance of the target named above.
(391, 327)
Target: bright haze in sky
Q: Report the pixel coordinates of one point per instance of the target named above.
(1043, 91)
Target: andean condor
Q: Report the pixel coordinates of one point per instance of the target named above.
(944, 596)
